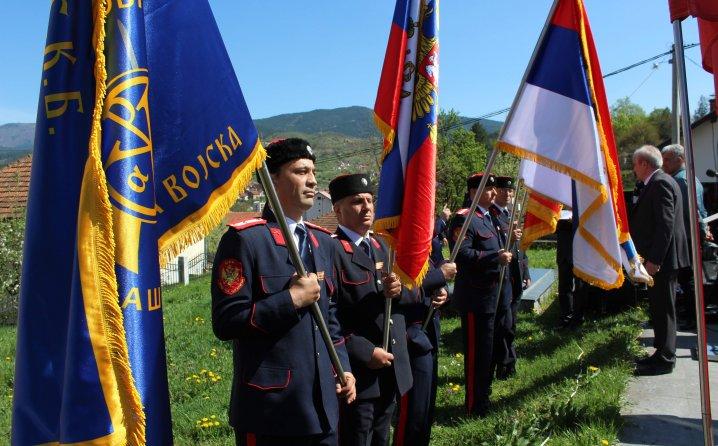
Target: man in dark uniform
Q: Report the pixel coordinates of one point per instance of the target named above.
(416, 408)
(479, 261)
(362, 290)
(284, 389)
(518, 272)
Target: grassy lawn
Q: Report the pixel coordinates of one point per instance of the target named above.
(592, 363)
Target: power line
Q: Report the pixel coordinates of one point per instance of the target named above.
(472, 121)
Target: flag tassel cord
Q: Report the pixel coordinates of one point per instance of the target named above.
(132, 410)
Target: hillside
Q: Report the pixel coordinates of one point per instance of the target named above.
(345, 139)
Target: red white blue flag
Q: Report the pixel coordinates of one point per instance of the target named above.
(561, 126)
(405, 111)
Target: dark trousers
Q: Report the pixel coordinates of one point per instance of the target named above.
(416, 407)
(564, 261)
(504, 335)
(688, 303)
(662, 309)
(478, 334)
(250, 439)
(366, 422)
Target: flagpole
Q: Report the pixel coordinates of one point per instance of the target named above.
(675, 115)
(679, 59)
(509, 241)
(387, 304)
(299, 266)
(492, 157)
(528, 68)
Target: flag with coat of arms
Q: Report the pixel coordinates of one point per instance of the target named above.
(405, 112)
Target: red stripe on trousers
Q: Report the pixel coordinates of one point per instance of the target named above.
(251, 440)
(470, 364)
(401, 425)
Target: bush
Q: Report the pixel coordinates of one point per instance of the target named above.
(11, 243)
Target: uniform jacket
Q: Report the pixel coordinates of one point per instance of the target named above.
(360, 310)
(415, 305)
(279, 354)
(656, 222)
(519, 266)
(476, 285)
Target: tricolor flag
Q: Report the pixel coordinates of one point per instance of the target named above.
(143, 141)
(560, 125)
(405, 111)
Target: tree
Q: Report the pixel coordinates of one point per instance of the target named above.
(632, 127)
(660, 118)
(480, 134)
(458, 156)
(701, 109)
(11, 241)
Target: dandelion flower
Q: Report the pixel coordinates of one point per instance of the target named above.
(604, 443)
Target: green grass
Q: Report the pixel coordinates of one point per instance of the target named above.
(7, 371)
(542, 255)
(528, 406)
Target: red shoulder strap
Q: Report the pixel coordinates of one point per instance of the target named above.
(347, 246)
(462, 211)
(240, 225)
(376, 244)
(277, 236)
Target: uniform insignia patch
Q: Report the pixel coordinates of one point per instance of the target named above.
(231, 278)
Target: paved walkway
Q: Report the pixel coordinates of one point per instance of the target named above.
(666, 409)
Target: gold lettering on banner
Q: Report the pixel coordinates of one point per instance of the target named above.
(213, 163)
(204, 166)
(235, 140)
(189, 169)
(64, 98)
(137, 181)
(132, 298)
(58, 49)
(176, 192)
(178, 185)
(154, 299)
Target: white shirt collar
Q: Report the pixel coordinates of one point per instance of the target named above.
(483, 211)
(293, 226)
(355, 237)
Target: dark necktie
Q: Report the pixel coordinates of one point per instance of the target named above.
(366, 247)
(506, 212)
(303, 246)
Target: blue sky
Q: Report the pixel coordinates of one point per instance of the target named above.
(292, 56)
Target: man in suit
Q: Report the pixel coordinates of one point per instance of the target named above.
(656, 223)
(363, 287)
(284, 389)
(674, 164)
(518, 271)
(479, 261)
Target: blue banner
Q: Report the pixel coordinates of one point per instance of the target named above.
(143, 142)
